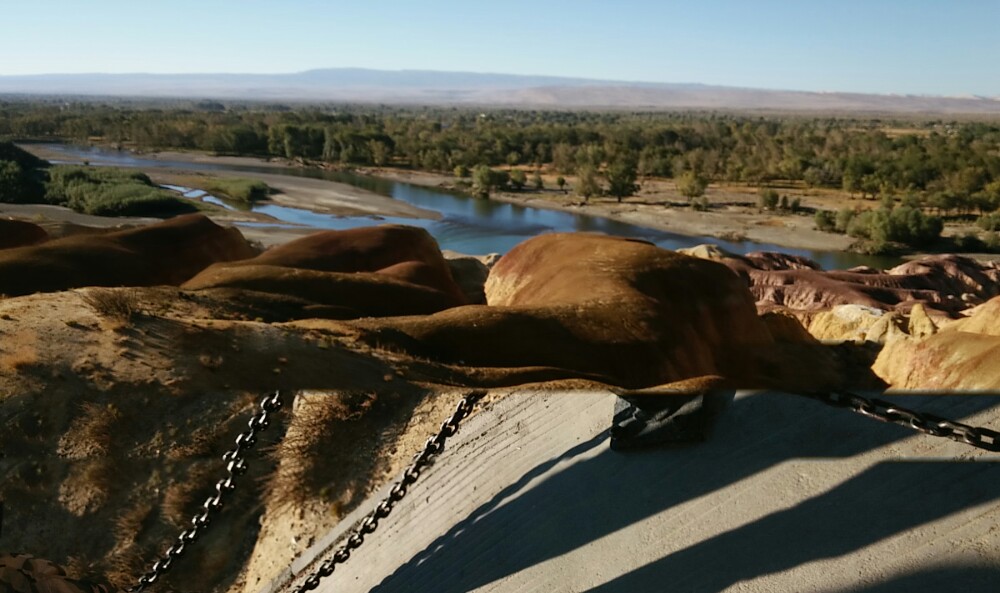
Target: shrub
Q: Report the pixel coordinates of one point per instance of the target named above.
(485, 179)
(843, 219)
(21, 175)
(118, 305)
(691, 185)
(111, 192)
(869, 247)
(826, 220)
(901, 225)
(236, 188)
(989, 222)
(970, 242)
(992, 241)
(518, 179)
(767, 199)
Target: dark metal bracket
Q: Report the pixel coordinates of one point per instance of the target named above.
(648, 421)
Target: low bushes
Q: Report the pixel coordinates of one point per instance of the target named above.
(884, 226)
(235, 188)
(110, 192)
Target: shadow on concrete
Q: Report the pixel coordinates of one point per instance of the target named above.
(964, 579)
(602, 493)
(863, 510)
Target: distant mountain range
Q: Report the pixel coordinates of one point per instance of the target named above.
(468, 88)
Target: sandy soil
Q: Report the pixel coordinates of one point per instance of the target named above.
(114, 431)
(318, 195)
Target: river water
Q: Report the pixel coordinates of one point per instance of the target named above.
(467, 224)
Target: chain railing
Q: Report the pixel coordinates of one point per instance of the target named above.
(877, 409)
(368, 525)
(235, 466)
(886, 411)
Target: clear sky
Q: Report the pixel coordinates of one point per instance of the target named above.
(947, 47)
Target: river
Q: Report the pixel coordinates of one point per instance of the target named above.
(467, 224)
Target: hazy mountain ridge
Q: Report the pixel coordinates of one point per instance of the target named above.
(427, 86)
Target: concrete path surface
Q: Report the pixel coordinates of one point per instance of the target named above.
(788, 495)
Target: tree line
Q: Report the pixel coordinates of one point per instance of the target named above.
(951, 167)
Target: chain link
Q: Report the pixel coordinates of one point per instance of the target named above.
(877, 409)
(368, 525)
(885, 411)
(235, 466)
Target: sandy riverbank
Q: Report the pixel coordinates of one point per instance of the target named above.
(319, 195)
(733, 214)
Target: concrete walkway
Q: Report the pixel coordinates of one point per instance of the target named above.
(788, 495)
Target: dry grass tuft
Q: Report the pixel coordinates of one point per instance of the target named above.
(179, 504)
(114, 304)
(91, 433)
(126, 558)
(319, 421)
(87, 487)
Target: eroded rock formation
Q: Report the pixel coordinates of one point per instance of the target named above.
(18, 233)
(169, 253)
(963, 355)
(944, 284)
(373, 271)
(610, 309)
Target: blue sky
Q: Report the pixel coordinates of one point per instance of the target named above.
(882, 46)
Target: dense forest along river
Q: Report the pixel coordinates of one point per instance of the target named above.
(468, 225)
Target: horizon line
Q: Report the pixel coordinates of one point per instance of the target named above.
(602, 81)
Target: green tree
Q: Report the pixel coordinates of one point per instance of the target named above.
(767, 199)
(518, 179)
(561, 182)
(825, 221)
(587, 185)
(537, 183)
(12, 184)
(380, 152)
(622, 173)
(691, 185)
(483, 180)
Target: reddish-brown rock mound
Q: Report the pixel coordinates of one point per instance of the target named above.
(943, 283)
(18, 233)
(372, 271)
(615, 310)
(169, 252)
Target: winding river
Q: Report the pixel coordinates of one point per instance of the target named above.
(467, 225)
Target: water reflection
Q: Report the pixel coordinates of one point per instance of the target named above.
(470, 225)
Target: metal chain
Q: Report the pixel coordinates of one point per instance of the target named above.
(367, 526)
(881, 410)
(235, 466)
(885, 411)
